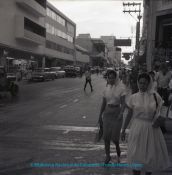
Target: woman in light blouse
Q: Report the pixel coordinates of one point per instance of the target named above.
(111, 113)
(146, 144)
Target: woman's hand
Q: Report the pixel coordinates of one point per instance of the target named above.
(123, 134)
(120, 117)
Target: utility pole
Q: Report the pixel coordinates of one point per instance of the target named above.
(138, 11)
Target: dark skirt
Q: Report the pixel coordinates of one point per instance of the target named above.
(111, 125)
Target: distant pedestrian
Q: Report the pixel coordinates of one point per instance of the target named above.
(146, 144)
(133, 80)
(111, 113)
(154, 82)
(163, 80)
(97, 71)
(88, 79)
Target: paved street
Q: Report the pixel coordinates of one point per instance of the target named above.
(55, 122)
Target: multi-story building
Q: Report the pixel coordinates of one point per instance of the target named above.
(114, 53)
(158, 30)
(22, 32)
(60, 38)
(82, 56)
(95, 47)
(34, 31)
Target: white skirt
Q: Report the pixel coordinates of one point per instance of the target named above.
(146, 146)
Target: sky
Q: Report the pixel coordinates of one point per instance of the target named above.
(100, 18)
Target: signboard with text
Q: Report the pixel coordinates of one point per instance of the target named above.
(122, 42)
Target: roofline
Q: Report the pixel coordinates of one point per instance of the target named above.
(60, 13)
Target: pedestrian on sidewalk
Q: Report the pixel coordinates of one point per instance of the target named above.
(163, 80)
(111, 113)
(154, 82)
(146, 144)
(88, 79)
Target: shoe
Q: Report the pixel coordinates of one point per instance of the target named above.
(107, 159)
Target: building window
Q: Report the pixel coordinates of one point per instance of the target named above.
(55, 46)
(41, 2)
(55, 16)
(70, 29)
(54, 31)
(33, 27)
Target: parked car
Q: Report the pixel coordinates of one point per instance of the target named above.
(51, 73)
(59, 73)
(78, 70)
(70, 71)
(11, 76)
(7, 83)
(42, 75)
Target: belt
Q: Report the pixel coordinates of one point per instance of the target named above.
(113, 106)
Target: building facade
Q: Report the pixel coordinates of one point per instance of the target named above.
(95, 47)
(23, 31)
(158, 31)
(35, 32)
(114, 53)
(60, 38)
(82, 56)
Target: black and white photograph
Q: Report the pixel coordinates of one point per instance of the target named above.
(86, 87)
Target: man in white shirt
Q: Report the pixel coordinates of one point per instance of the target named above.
(88, 79)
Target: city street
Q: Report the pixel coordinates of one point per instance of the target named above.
(55, 122)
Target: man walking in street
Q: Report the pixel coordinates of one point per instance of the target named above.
(88, 79)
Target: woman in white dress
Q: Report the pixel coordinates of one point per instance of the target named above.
(111, 113)
(146, 144)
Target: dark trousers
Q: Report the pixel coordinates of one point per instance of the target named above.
(88, 81)
(163, 92)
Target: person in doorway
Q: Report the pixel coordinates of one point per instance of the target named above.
(88, 79)
(146, 144)
(111, 113)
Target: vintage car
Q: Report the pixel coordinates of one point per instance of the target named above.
(42, 75)
(51, 73)
(70, 71)
(11, 76)
(59, 72)
(7, 83)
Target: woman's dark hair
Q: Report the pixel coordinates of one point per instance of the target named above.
(152, 73)
(111, 72)
(144, 75)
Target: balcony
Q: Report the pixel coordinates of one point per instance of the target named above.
(33, 7)
(24, 34)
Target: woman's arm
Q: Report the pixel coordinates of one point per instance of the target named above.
(126, 122)
(102, 109)
(123, 106)
(128, 118)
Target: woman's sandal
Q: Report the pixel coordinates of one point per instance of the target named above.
(107, 159)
